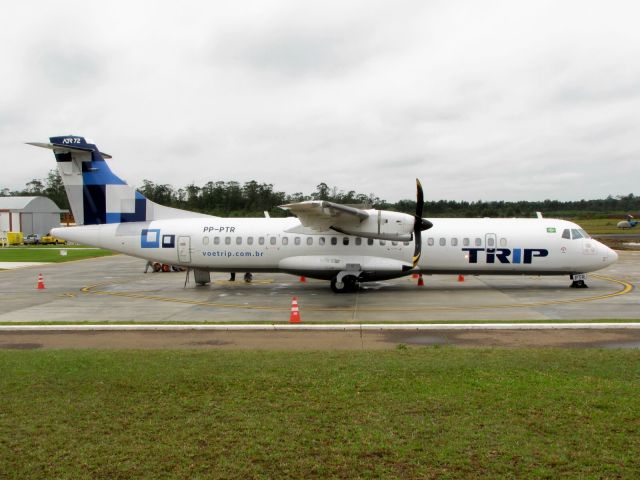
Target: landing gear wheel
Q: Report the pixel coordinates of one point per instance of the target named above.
(578, 281)
(349, 284)
(248, 277)
(338, 287)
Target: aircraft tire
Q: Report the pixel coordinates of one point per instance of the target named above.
(349, 284)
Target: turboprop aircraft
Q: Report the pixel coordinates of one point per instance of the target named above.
(344, 244)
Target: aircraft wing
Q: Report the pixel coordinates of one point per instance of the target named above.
(320, 215)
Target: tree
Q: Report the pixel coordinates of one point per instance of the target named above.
(322, 192)
(55, 189)
(34, 187)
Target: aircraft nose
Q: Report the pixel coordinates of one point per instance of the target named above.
(609, 255)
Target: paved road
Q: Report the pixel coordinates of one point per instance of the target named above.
(112, 289)
(321, 340)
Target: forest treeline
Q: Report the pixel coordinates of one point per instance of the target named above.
(253, 198)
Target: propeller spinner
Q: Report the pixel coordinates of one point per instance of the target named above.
(419, 224)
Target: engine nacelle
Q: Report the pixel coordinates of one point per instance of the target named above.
(381, 224)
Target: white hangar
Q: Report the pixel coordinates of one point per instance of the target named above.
(28, 215)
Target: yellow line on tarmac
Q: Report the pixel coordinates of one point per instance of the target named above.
(94, 289)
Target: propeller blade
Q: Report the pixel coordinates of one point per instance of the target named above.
(419, 224)
(419, 199)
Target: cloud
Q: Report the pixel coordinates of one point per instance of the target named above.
(492, 100)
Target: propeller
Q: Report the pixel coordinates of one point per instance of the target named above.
(419, 224)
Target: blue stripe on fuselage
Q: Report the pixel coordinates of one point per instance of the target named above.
(516, 255)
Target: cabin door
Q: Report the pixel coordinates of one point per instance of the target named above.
(184, 249)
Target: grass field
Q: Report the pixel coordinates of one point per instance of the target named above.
(49, 254)
(408, 413)
(596, 226)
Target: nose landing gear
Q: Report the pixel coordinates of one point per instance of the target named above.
(578, 280)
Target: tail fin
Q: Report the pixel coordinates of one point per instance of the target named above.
(96, 194)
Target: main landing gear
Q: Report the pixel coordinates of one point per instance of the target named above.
(578, 280)
(348, 284)
(344, 282)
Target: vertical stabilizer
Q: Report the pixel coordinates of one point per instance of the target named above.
(96, 194)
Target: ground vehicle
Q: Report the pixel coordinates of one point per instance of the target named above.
(49, 239)
(32, 238)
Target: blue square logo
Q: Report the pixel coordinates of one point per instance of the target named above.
(168, 241)
(150, 238)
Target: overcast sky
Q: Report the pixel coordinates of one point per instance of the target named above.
(479, 99)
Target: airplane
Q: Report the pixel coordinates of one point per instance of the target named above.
(344, 244)
(628, 223)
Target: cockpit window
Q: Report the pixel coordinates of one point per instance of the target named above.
(566, 233)
(584, 234)
(575, 233)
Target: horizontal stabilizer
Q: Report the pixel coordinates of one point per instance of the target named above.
(65, 148)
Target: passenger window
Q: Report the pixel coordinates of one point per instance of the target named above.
(238, 240)
(465, 242)
(369, 241)
(443, 242)
(345, 240)
(227, 240)
(566, 233)
(334, 241)
(503, 242)
(406, 244)
(491, 242)
(261, 240)
(478, 242)
(205, 240)
(383, 242)
(216, 240)
(249, 240)
(394, 243)
(321, 241)
(309, 240)
(296, 240)
(272, 240)
(575, 234)
(285, 240)
(454, 242)
(358, 241)
(430, 242)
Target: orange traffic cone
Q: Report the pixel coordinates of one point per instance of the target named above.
(295, 312)
(420, 281)
(461, 278)
(303, 279)
(40, 282)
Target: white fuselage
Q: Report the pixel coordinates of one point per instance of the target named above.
(495, 246)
